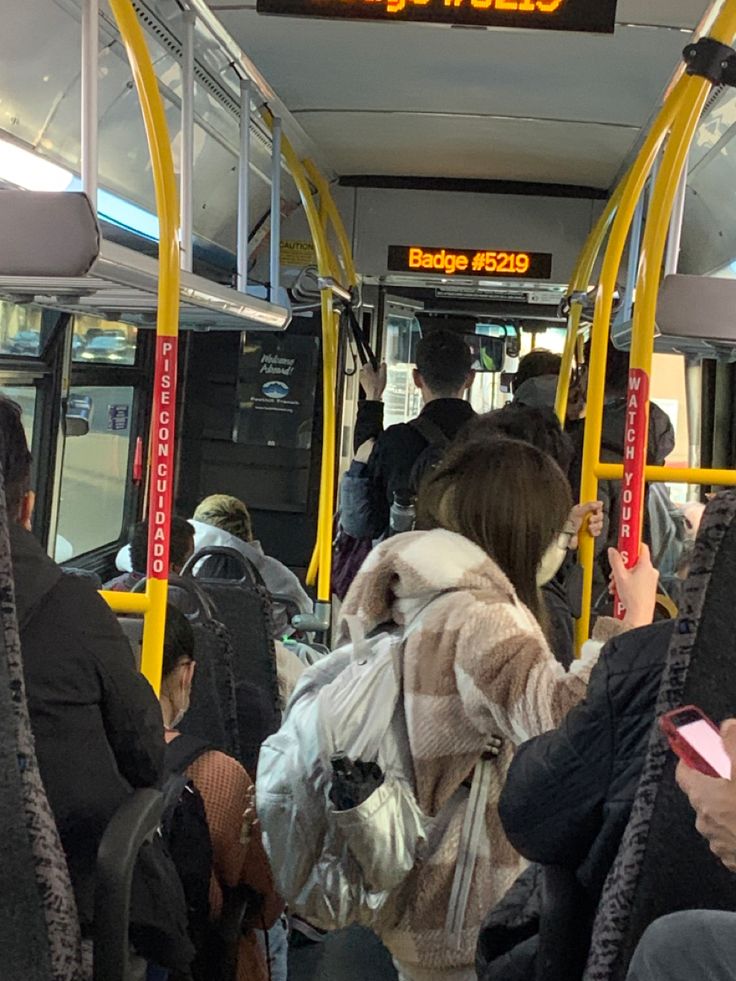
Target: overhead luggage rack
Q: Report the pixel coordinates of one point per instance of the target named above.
(52, 253)
(695, 316)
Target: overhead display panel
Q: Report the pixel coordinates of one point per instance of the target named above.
(596, 16)
(460, 263)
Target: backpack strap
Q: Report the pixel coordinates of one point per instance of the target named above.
(183, 751)
(430, 431)
(473, 829)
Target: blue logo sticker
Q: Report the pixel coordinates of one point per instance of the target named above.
(275, 390)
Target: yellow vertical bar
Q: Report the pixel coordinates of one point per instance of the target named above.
(167, 324)
(320, 566)
(631, 192)
(579, 283)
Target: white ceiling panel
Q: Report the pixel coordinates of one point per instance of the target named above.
(430, 100)
(490, 149)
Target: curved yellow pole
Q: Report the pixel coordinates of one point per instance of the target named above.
(328, 202)
(695, 91)
(320, 567)
(579, 283)
(631, 192)
(167, 331)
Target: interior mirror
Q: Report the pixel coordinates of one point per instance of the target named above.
(489, 353)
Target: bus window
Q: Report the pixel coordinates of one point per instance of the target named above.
(20, 329)
(402, 399)
(94, 475)
(669, 392)
(103, 342)
(25, 396)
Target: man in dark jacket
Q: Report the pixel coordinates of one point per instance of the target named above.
(569, 793)
(96, 722)
(443, 374)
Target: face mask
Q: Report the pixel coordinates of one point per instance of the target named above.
(551, 562)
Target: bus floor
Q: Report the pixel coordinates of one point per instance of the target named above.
(349, 955)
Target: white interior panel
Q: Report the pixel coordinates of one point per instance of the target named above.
(425, 146)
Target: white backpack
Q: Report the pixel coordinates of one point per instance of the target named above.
(336, 868)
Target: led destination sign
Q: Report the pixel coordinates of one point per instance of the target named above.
(485, 263)
(596, 16)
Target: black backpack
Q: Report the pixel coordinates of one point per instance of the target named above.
(186, 834)
(437, 445)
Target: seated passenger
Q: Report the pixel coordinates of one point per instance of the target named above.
(228, 795)
(476, 665)
(224, 520)
(181, 548)
(569, 796)
(96, 722)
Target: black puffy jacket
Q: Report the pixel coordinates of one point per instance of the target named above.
(569, 793)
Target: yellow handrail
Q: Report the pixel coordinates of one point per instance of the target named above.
(633, 186)
(328, 202)
(320, 567)
(167, 333)
(579, 283)
(677, 119)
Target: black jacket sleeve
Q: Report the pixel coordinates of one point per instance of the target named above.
(130, 710)
(551, 806)
(369, 422)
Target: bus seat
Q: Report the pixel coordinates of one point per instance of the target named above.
(663, 863)
(47, 234)
(134, 823)
(244, 606)
(213, 713)
(132, 627)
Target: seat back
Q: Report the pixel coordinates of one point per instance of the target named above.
(663, 864)
(243, 605)
(212, 713)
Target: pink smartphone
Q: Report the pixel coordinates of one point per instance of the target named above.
(697, 741)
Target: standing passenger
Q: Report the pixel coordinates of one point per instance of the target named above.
(476, 665)
(383, 468)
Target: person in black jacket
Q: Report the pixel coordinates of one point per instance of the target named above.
(384, 462)
(96, 722)
(566, 804)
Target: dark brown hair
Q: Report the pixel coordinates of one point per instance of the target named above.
(16, 457)
(506, 496)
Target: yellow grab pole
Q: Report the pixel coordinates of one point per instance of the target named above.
(325, 196)
(579, 282)
(671, 475)
(695, 91)
(631, 192)
(320, 567)
(167, 335)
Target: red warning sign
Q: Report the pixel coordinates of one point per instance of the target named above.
(162, 457)
(636, 437)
